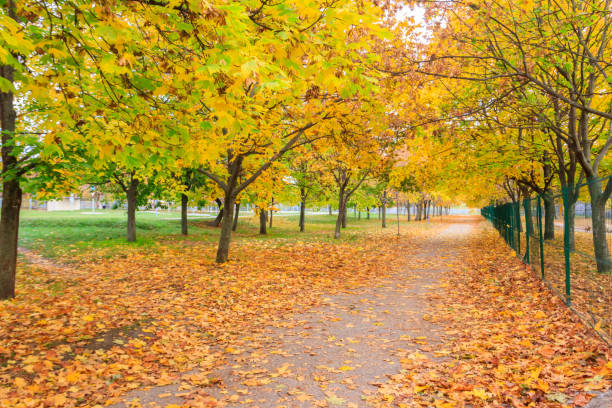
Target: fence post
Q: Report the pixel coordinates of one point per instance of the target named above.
(566, 247)
(513, 222)
(539, 215)
(527, 229)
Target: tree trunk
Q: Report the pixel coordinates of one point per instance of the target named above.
(419, 207)
(379, 212)
(383, 205)
(368, 213)
(184, 201)
(330, 209)
(549, 215)
(344, 216)
(235, 224)
(11, 190)
(226, 227)
(9, 231)
(598, 219)
(132, 196)
(359, 215)
(408, 210)
(262, 221)
(341, 215)
(220, 215)
(573, 194)
(302, 209)
(271, 213)
(529, 216)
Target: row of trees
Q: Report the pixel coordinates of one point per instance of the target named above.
(227, 100)
(234, 100)
(515, 100)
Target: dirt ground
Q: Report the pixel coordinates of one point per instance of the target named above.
(336, 354)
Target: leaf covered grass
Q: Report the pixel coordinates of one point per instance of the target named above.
(147, 313)
(63, 235)
(508, 341)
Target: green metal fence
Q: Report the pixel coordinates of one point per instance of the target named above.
(566, 238)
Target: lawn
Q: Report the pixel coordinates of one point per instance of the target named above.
(64, 234)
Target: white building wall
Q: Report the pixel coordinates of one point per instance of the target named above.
(65, 204)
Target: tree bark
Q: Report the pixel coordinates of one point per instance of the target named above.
(344, 216)
(302, 208)
(9, 231)
(549, 201)
(184, 202)
(231, 190)
(368, 213)
(262, 221)
(549, 215)
(11, 189)
(408, 210)
(235, 224)
(573, 193)
(341, 216)
(598, 219)
(330, 209)
(383, 205)
(226, 227)
(132, 197)
(219, 218)
(271, 212)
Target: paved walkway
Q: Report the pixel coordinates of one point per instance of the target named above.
(336, 354)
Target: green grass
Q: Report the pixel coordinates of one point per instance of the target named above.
(62, 234)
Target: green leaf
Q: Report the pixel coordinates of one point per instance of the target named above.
(6, 85)
(334, 400)
(557, 397)
(283, 35)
